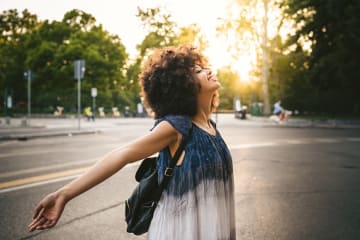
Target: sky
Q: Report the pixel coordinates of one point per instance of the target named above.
(119, 17)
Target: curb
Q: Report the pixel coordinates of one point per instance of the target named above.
(10, 127)
(312, 126)
(295, 123)
(25, 137)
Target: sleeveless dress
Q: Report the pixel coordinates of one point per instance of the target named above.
(198, 203)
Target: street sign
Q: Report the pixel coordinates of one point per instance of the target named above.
(79, 69)
(28, 75)
(9, 102)
(93, 92)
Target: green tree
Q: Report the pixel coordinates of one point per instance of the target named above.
(331, 27)
(233, 86)
(289, 81)
(49, 50)
(248, 23)
(14, 29)
(191, 35)
(162, 31)
(229, 87)
(55, 46)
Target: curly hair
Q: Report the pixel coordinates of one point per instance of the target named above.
(168, 82)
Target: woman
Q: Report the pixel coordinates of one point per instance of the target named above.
(198, 202)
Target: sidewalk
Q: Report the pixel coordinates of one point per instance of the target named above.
(308, 123)
(20, 129)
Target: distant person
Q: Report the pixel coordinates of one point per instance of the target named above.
(198, 202)
(278, 108)
(127, 111)
(279, 111)
(89, 114)
(140, 110)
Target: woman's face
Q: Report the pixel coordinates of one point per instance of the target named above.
(207, 80)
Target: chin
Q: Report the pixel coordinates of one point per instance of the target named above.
(218, 85)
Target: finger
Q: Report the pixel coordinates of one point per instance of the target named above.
(49, 224)
(44, 224)
(33, 225)
(37, 223)
(38, 211)
(41, 226)
(40, 223)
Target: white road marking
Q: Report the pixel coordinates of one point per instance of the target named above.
(31, 182)
(328, 140)
(291, 141)
(353, 139)
(38, 183)
(67, 149)
(253, 145)
(27, 153)
(8, 143)
(50, 167)
(232, 147)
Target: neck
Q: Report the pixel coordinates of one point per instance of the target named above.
(204, 110)
(202, 118)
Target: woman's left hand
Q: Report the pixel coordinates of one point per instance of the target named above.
(48, 212)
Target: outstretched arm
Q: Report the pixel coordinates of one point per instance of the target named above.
(49, 210)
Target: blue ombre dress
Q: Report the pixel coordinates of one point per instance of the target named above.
(198, 203)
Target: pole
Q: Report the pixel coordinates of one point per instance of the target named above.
(79, 97)
(79, 70)
(5, 102)
(265, 67)
(29, 96)
(94, 105)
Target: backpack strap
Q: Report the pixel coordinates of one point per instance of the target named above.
(170, 169)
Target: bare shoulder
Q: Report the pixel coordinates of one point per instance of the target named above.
(173, 134)
(162, 136)
(165, 129)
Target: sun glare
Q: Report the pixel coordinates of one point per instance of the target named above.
(206, 14)
(220, 55)
(239, 51)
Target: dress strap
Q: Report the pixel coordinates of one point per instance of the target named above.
(213, 123)
(181, 123)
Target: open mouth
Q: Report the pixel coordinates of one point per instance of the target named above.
(212, 79)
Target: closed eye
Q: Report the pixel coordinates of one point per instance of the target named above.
(197, 69)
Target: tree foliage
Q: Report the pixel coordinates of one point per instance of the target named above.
(14, 27)
(247, 29)
(229, 87)
(49, 49)
(232, 86)
(332, 72)
(162, 31)
(315, 67)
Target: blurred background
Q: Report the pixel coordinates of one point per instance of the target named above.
(304, 53)
(289, 108)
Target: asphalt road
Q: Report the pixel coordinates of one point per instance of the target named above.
(291, 183)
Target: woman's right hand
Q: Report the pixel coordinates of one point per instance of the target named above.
(48, 211)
